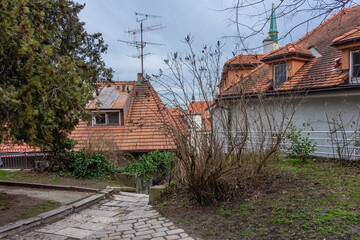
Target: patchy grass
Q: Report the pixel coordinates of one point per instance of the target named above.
(17, 207)
(38, 209)
(311, 200)
(54, 178)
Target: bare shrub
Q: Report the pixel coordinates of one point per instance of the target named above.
(246, 132)
(344, 135)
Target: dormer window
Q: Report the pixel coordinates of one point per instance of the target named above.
(280, 74)
(355, 67)
(107, 118)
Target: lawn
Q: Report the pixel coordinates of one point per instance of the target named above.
(313, 200)
(56, 179)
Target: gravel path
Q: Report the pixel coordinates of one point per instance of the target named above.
(125, 216)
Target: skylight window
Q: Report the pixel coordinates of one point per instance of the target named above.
(314, 52)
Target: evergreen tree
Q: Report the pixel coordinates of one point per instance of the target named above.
(49, 67)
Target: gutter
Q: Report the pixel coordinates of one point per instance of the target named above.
(298, 92)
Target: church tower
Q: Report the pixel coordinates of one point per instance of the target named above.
(271, 42)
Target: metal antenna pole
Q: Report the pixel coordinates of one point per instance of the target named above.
(142, 51)
(142, 44)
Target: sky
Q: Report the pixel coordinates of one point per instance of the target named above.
(201, 18)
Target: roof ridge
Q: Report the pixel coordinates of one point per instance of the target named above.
(352, 31)
(324, 23)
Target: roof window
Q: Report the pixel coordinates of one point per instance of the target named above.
(314, 52)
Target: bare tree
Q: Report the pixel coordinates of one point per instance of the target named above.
(246, 130)
(298, 13)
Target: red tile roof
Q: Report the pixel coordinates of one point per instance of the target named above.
(288, 51)
(13, 147)
(251, 59)
(145, 128)
(318, 72)
(353, 35)
(200, 108)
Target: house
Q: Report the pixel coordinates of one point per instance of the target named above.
(320, 72)
(127, 117)
(199, 123)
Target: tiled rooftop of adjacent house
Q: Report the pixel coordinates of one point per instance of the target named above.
(145, 129)
(352, 35)
(243, 59)
(317, 72)
(200, 108)
(288, 50)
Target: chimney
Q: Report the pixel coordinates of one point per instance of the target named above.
(139, 78)
(268, 45)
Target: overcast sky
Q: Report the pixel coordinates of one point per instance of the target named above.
(199, 18)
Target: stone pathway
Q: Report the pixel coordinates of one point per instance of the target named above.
(125, 216)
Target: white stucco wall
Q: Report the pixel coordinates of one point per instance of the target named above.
(311, 116)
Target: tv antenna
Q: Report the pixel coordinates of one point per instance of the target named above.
(140, 18)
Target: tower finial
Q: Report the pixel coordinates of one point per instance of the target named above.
(273, 32)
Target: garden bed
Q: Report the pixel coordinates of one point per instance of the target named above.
(313, 200)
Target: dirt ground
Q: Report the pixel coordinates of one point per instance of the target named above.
(316, 200)
(16, 207)
(20, 203)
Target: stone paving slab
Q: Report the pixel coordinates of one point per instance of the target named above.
(122, 216)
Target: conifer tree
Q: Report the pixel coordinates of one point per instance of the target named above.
(49, 67)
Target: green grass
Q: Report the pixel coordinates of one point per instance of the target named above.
(41, 208)
(310, 200)
(56, 178)
(223, 211)
(6, 175)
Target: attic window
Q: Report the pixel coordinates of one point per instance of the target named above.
(107, 118)
(101, 119)
(280, 74)
(355, 66)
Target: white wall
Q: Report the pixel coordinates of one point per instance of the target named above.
(310, 115)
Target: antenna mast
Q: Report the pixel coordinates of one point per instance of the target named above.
(140, 18)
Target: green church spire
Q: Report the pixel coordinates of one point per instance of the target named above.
(273, 33)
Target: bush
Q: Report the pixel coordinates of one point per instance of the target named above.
(82, 164)
(150, 164)
(299, 145)
(93, 166)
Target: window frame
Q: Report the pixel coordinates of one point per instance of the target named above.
(275, 80)
(353, 80)
(106, 118)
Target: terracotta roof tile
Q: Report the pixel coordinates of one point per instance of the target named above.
(242, 59)
(13, 147)
(144, 129)
(318, 72)
(353, 35)
(200, 107)
(288, 50)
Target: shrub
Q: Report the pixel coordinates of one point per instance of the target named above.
(82, 164)
(90, 166)
(147, 165)
(299, 145)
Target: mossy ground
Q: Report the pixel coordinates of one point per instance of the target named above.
(311, 200)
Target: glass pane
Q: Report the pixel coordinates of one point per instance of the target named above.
(280, 74)
(356, 58)
(113, 118)
(356, 71)
(100, 119)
